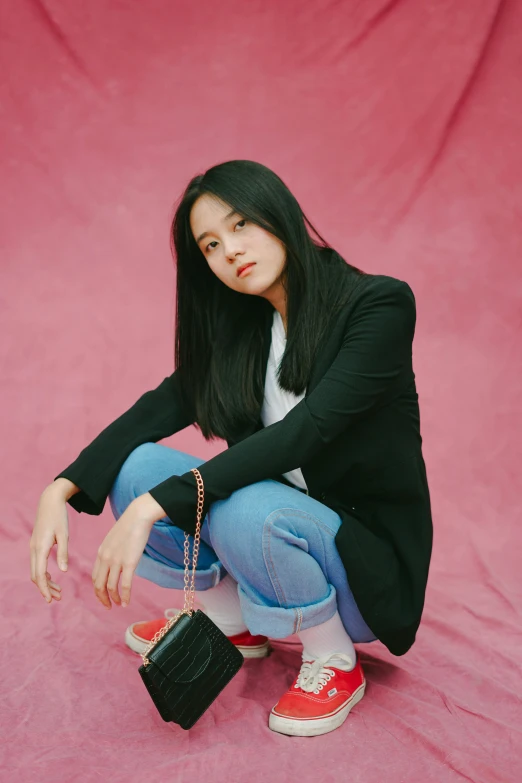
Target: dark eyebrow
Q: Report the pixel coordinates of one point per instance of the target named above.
(206, 233)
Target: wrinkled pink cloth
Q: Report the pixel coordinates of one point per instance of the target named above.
(397, 125)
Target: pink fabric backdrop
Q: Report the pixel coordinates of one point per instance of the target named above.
(398, 127)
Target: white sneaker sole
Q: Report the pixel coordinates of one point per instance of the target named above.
(297, 727)
(139, 646)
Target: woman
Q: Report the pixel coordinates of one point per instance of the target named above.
(317, 518)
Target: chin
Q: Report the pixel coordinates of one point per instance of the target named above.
(253, 286)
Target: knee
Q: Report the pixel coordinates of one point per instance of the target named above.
(137, 457)
(133, 465)
(236, 524)
(123, 488)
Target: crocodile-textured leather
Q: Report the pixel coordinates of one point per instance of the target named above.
(189, 667)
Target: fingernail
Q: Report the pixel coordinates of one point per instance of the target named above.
(63, 566)
(124, 603)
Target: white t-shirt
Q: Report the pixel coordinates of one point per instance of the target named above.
(278, 402)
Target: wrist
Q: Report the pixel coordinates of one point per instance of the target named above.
(58, 492)
(61, 488)
(149, 508)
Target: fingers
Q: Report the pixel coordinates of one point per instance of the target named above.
(40, 578)
(105, 579)
(61, 552)
(99, 579)
(112, 583)
(126, 580)
(54, 587)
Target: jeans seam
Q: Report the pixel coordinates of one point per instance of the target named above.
(270, 566)
(298, 612)
(300, 513)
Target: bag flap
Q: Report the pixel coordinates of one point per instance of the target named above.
(185, 651)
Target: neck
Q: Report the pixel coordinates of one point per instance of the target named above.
(276, 295)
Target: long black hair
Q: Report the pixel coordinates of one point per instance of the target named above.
(219, 331)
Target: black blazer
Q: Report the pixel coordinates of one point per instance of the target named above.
(355, 436)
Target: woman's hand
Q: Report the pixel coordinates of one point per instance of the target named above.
(122, 548)
(51, 527)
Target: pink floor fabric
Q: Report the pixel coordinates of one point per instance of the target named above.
(398, 127)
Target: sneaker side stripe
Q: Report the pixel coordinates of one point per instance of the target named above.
(327, 714)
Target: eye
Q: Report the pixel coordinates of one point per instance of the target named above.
(240, 223)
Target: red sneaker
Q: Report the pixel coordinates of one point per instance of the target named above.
(138, 636)
(319, 699)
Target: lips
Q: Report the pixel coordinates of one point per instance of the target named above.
(243, 267)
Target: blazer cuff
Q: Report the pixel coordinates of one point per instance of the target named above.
(87, 500)
(178, 496)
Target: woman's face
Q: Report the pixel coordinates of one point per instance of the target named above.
(228, 242)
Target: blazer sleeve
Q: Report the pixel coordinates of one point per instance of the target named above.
(375, 352)
(157, 414)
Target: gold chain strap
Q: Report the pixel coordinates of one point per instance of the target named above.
(189, 589)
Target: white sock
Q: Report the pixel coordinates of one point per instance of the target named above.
(322, 640)
(221, 604)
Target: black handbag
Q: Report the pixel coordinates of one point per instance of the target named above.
(190, 660)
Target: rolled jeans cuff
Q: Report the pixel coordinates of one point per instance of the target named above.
(174, 576)
(279, 622)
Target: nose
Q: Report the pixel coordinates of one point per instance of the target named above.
(233, 249)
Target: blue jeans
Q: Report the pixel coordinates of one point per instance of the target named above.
(276, 541)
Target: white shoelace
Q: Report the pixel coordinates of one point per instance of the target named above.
(314, 675)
